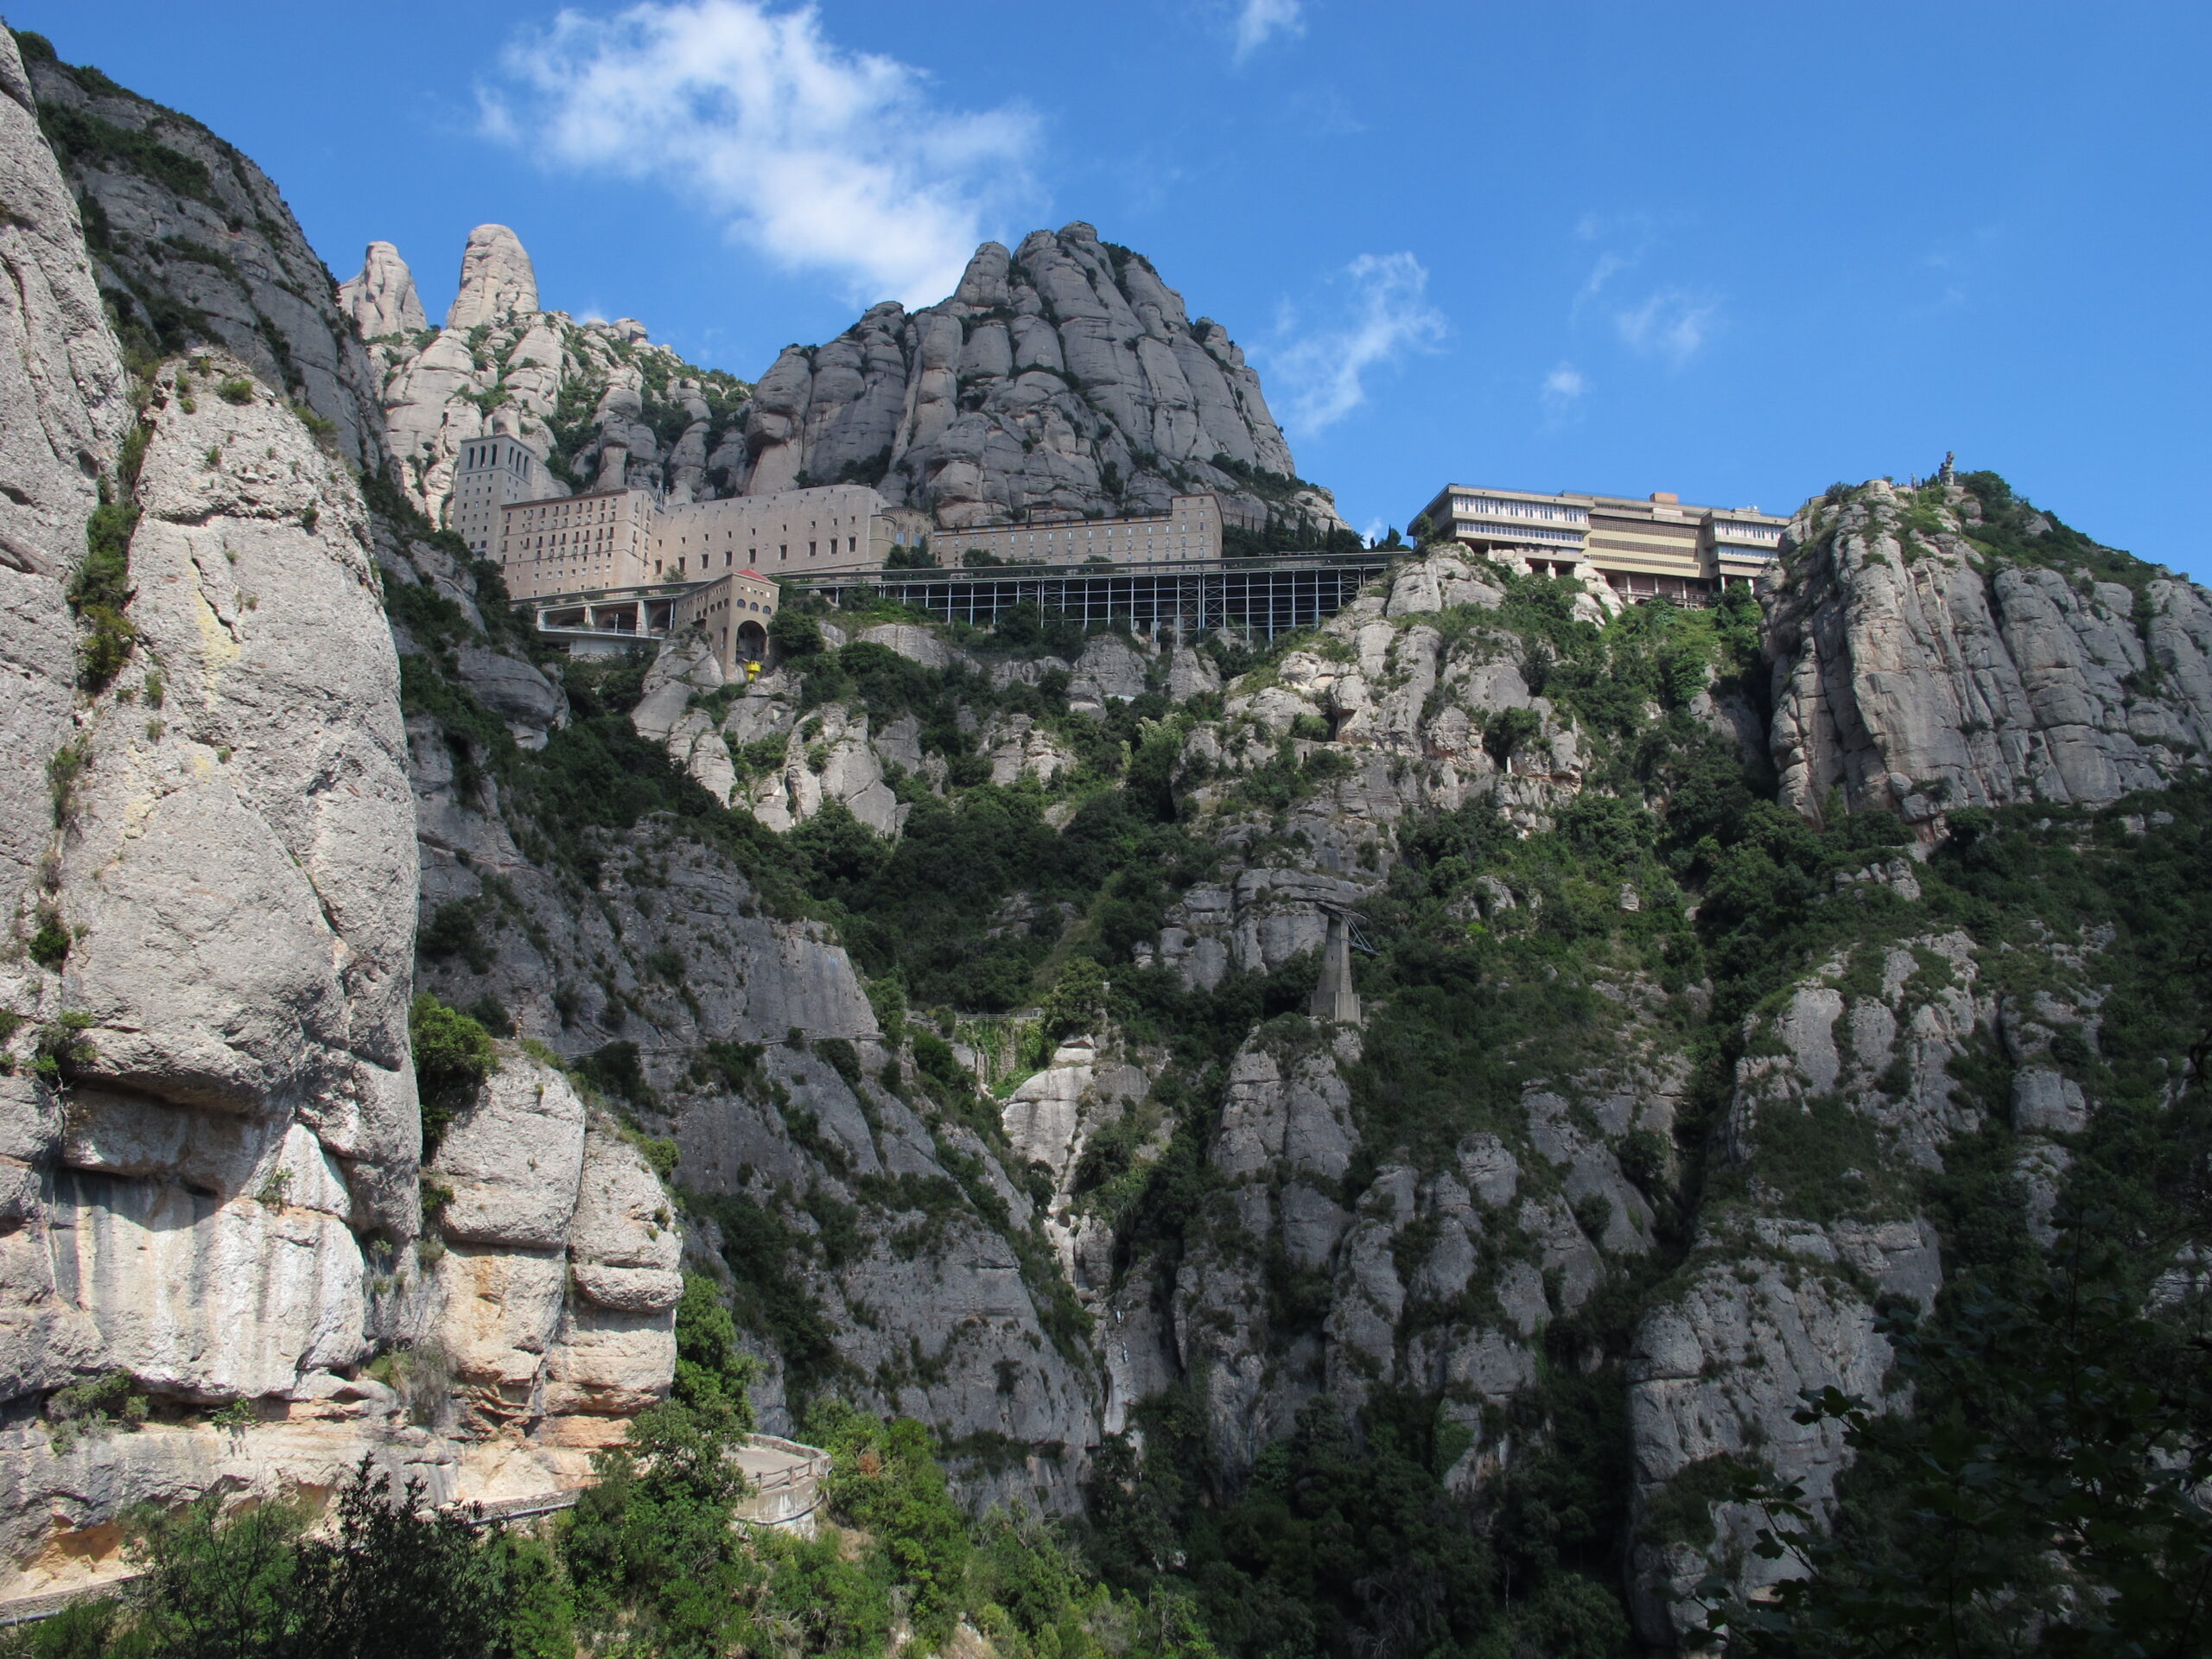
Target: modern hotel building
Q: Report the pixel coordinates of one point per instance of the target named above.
(1654, 548)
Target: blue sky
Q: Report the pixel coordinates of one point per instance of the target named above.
(1738, 251)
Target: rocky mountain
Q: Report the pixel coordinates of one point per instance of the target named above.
(1063, 378)
(1697, 1117)
(604, 407)
(1914, 672)
(1748, 997)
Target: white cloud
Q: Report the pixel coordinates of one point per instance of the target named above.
(1670, 323)
(1673, 323)
(1609, 266)
(1562, 392)
(822, 158)
(1389, 315)
(1259, 20)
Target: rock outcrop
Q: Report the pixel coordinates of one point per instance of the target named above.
(209, 1131)
(215, 1193)
(498, 282)
(1842, 1098)
(557, 1289)
(502, 366)
(1915, 671)
(382, 300)
(192, 244)
(1062, 377)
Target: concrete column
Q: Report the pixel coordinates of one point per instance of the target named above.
(1334, 1001)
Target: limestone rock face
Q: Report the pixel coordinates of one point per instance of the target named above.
(242, 870)
(382, 299)
(511, 1163)
(61, 391)
(194, 245)
(937, 1301)
(1915, 676)
(1777, 1301)
(215, 1192)
(559, 1283)
(220, 1201)
(1063, 375)
(497, 279)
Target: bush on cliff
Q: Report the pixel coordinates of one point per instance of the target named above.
(453, 1056)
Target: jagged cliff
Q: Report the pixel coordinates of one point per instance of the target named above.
(603, 406)
(212, 1131)
(1063, 377)
(1931, 652)
(1661, 1088)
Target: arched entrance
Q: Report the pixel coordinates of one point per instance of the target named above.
(752, 643)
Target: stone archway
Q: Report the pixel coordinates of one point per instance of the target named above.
(752, 643)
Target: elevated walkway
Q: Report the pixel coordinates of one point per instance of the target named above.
(1260, 598)
(609, 619)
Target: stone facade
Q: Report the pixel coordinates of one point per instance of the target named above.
(732, 613)
(577, 544)
(1189, 531)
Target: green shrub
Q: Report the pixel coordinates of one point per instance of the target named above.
(615, 1069)
(842, 1060)
(236, 390)
(794, 634)
(99, 591)
(885, 1480)
(453, 1056)
(92, 1406)
(49, 946)
(63, 1049)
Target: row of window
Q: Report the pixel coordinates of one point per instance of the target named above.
(1524, 533)
(1490, 507)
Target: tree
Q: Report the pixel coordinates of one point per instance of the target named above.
(392, 1579)
(653, 1543)
(794, 634)
(887, 1480)
(2048, 1491)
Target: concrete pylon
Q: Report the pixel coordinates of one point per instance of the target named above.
(1334, 1000)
